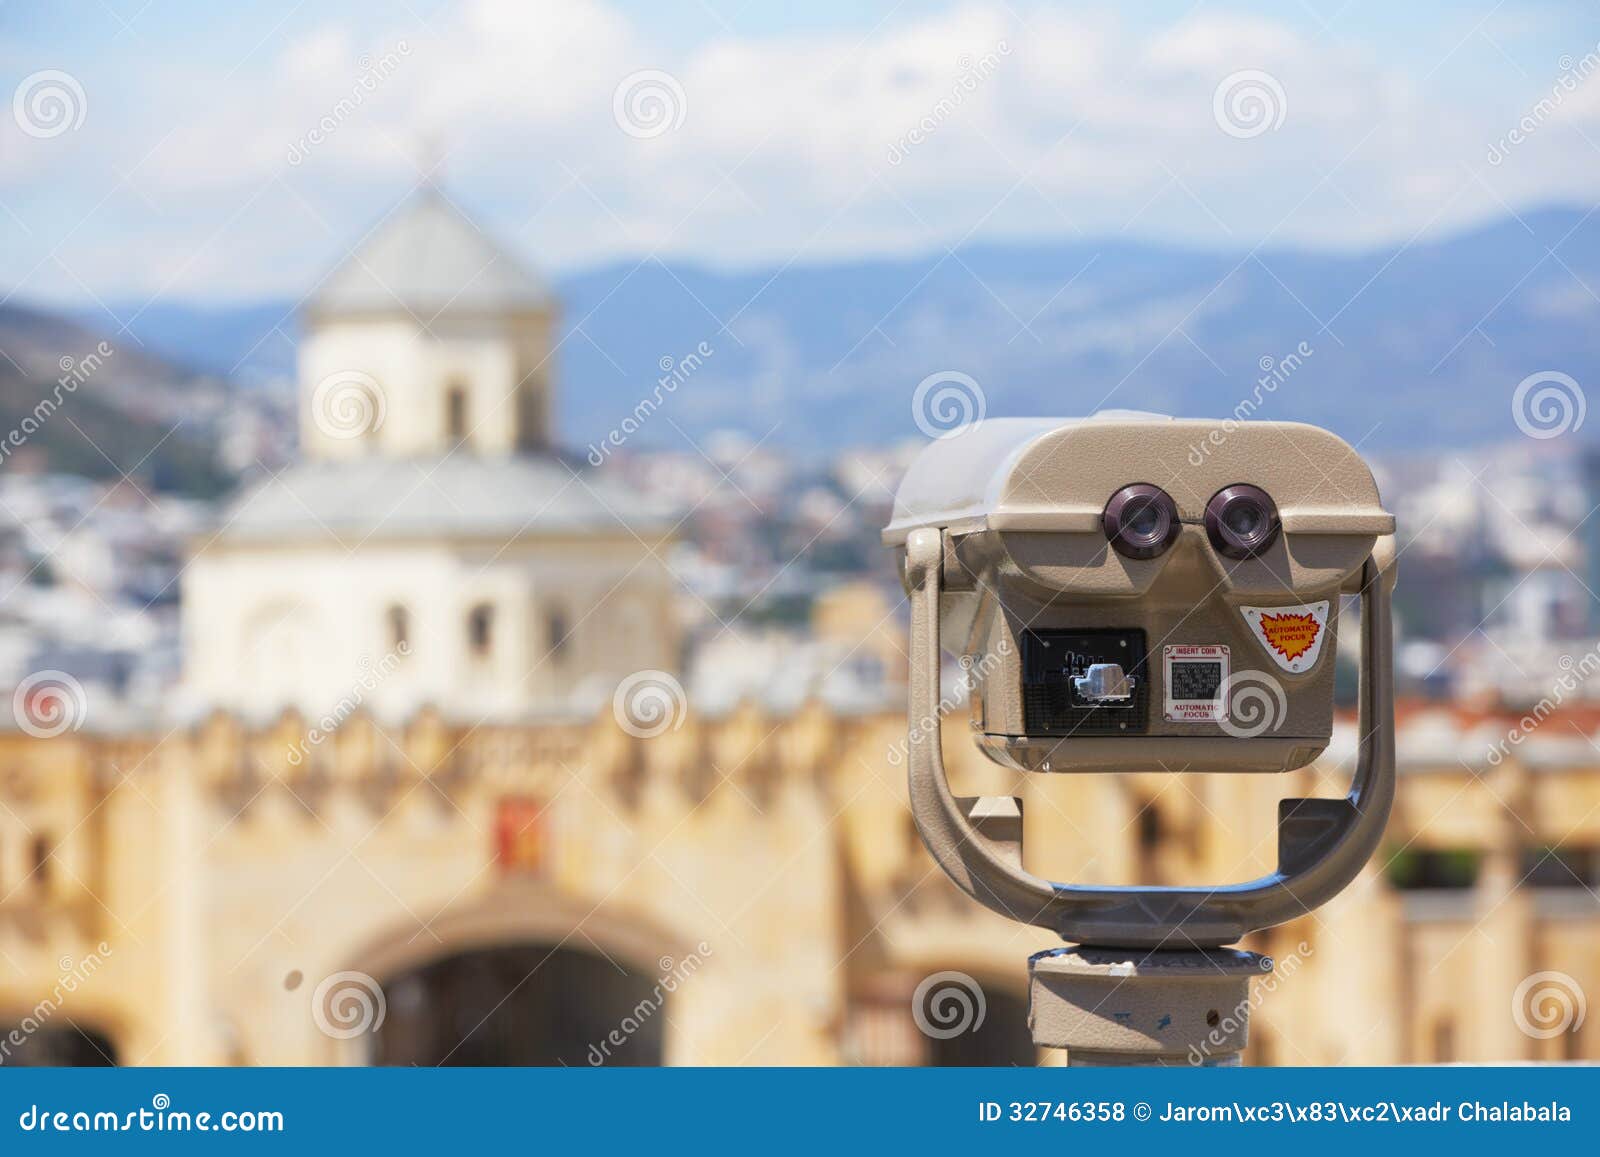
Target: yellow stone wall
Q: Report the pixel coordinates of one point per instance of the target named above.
(214, 883)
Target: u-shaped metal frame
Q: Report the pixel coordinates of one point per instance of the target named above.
(1322, 843)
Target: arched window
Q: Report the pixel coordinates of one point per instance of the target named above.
(1444, 1041)
(455, 412)
(41, 850)
(480, 630)
(557, 632)
(399, 621)
(1150, 830)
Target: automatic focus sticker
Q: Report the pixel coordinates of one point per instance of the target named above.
(1291, 635)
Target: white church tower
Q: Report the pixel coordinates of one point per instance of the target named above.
(457, 333)
(432, 548)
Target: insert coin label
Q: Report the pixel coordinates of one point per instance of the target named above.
(1195, 675)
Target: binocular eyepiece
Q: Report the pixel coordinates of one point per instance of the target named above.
(1141, 521)
(1242, 521)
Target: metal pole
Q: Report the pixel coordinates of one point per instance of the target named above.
(1141, 1006)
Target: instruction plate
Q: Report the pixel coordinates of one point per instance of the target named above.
(1195, 675)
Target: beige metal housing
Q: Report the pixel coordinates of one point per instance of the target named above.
(1028, 493)
(1020, 501)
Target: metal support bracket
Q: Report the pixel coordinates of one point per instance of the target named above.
(1322, 844)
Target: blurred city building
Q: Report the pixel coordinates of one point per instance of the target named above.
(433, 548)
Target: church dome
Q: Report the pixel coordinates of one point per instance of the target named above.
(428, 258)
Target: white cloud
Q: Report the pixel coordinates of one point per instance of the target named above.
(827, 144)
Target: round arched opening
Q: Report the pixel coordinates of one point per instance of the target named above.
(521, 1004)
(55, 1046)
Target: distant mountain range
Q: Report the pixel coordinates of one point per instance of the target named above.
(86, 401)
(1411, 346)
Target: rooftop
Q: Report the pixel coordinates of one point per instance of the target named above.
(428, 257)
(457, 496)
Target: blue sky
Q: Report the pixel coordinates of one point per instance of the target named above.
(217, 152)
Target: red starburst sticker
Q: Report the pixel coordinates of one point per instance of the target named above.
(1291, 635)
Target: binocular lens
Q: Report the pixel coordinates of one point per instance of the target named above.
(1242, 521)
(1144, 522)
(1140, 521)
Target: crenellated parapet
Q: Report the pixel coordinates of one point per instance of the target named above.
(237, 853)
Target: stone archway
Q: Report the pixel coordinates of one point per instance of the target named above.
(531, 1003)
(522, 977)
(60, 1044)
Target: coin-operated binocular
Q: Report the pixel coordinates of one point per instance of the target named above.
(1138, 593)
